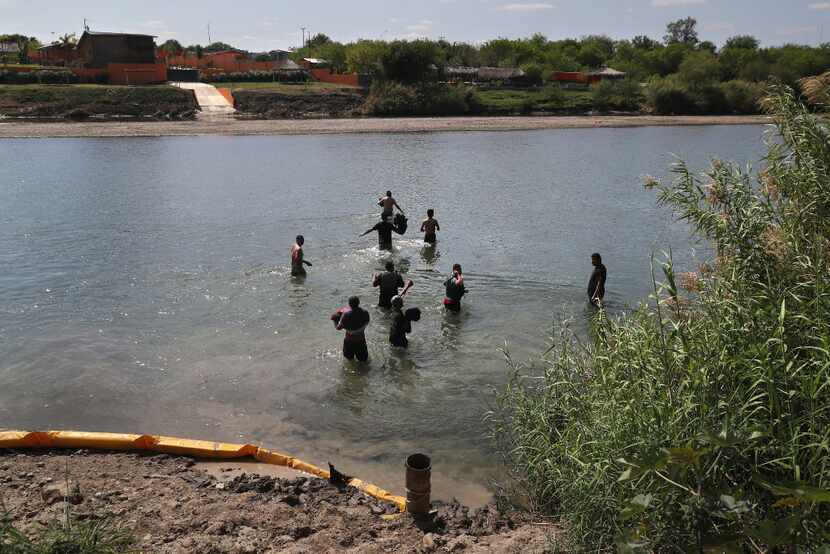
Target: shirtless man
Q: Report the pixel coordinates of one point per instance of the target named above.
(429, 226)
(388, 204)
(297, 260)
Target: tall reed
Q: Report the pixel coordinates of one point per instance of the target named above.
(700, 422)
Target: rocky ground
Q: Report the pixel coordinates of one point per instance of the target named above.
(81, 102)
(274, 105)
(172, 506)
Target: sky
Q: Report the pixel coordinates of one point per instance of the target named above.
(262, 25)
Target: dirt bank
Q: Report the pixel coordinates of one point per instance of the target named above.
(19, 129)
(82, 101)
(276, 105)
(173, 506)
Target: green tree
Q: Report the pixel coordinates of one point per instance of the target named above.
(699, 69)
(708, 46)
(745, 42)
(410, 61)
(644, 43)
(68, 40)
(171, 46)
(534, 73)
(461, 53)
(364, 56)
(218, 47)
(683, 31)
(317, 40)
(334, 53)
(591, 56)
(499, 52)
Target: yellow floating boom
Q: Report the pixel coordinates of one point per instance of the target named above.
(181, 447)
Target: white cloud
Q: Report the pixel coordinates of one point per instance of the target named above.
(820, 6)
(792, 31)
(524, 7)
(671, 3)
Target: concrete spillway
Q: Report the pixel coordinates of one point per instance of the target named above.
(212, 104)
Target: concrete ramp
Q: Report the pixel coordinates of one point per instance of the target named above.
(212, 104)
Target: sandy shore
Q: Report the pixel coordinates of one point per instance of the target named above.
(27, 129)
(172, 506)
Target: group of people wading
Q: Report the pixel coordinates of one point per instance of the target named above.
(392, 288)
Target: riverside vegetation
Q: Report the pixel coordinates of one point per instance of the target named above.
(701, 421)
(680, 75)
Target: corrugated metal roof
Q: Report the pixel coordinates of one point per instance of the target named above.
(107, 34)
(608, 72)
(461, 70)
(496, 73)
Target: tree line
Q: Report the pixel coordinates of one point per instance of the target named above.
(642, 58)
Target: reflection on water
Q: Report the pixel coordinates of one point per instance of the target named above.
(146, 284)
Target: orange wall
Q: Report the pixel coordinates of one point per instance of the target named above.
(87, 74)
(226, 92)
(326, 76)
(227, 63)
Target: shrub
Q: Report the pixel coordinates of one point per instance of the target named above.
(258, 77)
(38, 77)
(668, 96)
(534, 73)
(410, 61)
(700, 422)
(742, 97)
(623, 95)
(389, 98)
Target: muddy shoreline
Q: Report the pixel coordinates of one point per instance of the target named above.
(240, 127)
(172, 505)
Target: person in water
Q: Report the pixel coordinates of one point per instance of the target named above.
(401, 322)
(354, 321)
(454, 289)
(429, 226)
(388, 204)
(384, 229)
(596, 284)
(388, 283)
(297, 257)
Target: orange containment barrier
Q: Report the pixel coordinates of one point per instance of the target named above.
(181, 447)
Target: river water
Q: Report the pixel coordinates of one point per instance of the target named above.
(145, 283)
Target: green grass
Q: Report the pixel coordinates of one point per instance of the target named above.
(547, 99)
(285, 88)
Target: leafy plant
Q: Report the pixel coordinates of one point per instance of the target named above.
(700, 422)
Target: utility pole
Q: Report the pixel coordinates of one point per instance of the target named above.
(86, 26)
(303, 43)
(209, 40)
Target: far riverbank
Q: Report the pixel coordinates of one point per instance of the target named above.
(31, 129)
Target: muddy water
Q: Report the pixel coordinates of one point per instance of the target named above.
(145, 284)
